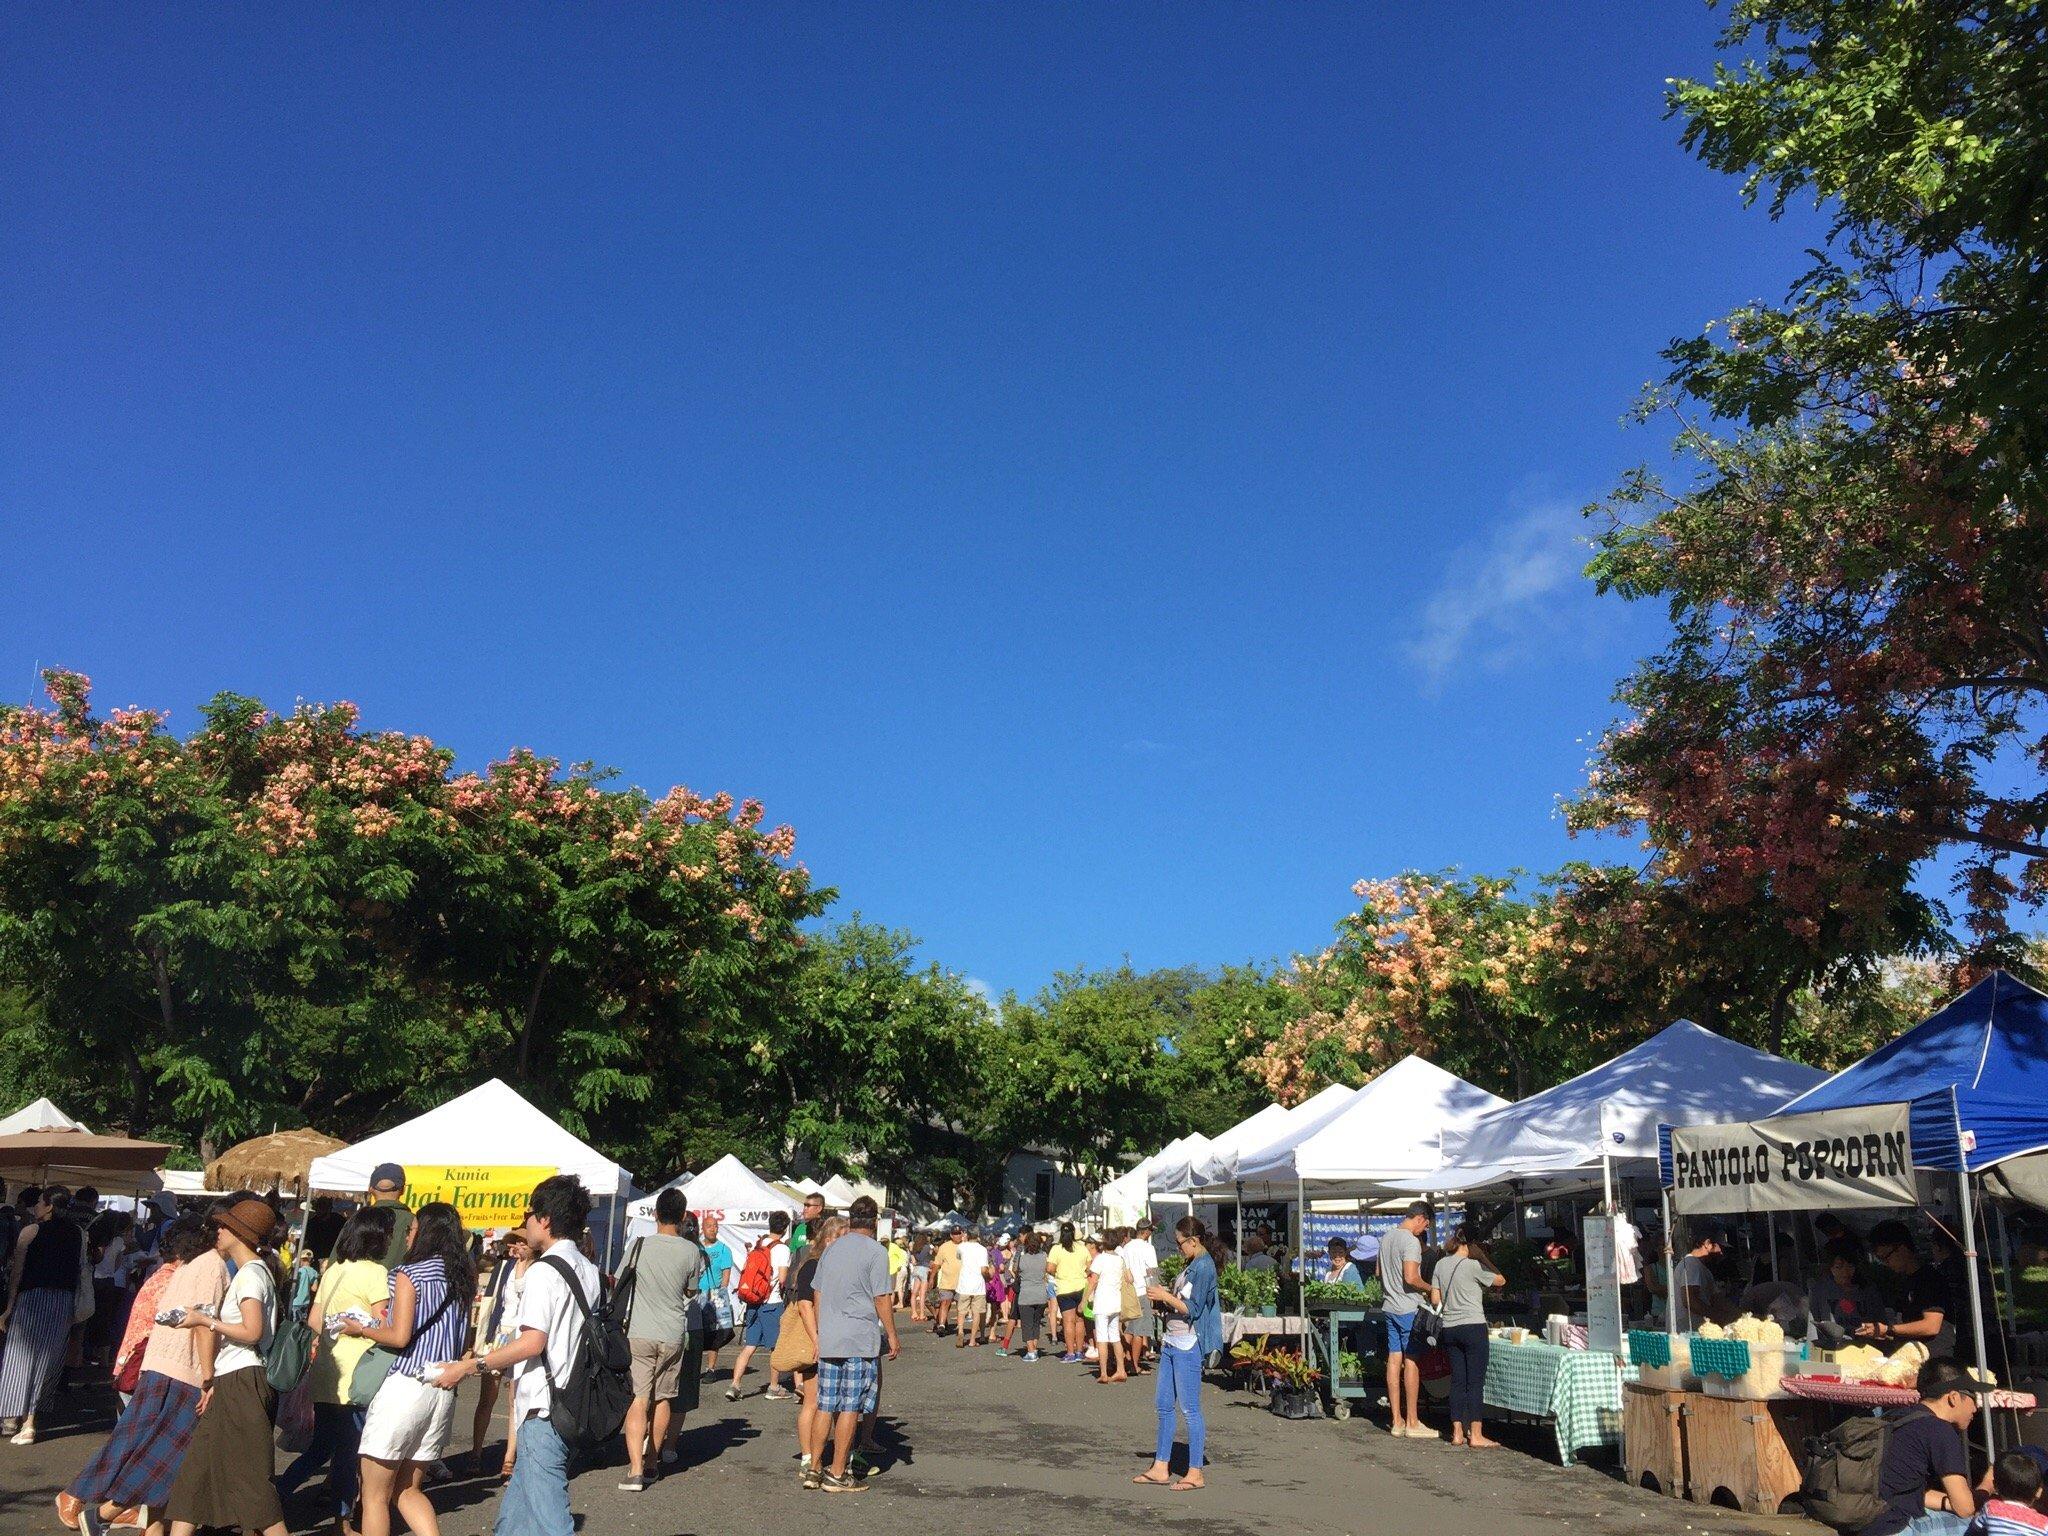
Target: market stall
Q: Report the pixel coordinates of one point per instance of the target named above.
(1963, 1092)
(740, 1198)
(483, 1152)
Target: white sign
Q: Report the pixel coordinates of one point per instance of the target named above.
(1603, 1285)
(1832, 1159)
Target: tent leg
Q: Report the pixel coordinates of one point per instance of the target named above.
(1238, 1223)
(1670, 1268)
(1976, 1299)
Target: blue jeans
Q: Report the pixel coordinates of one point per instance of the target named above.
(1937, 1522)
(337, 1431)
(1180, 1386)
(536, 1501)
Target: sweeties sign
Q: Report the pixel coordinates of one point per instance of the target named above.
(1834, 1159)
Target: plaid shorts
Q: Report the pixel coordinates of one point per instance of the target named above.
(851, 1385)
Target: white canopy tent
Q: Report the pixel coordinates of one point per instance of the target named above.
(41, 1115)
(740, 1198)
(1182, 1173)
(485, 1127)
(1224, 1167)
(839, 1194)
(1393, 1127)
(1575, 1133)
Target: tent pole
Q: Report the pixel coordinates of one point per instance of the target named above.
(1237, 1222)
(1670, 1267)
(1301, 1274)
(1976, 1297)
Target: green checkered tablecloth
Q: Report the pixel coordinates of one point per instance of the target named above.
(1579, 1390)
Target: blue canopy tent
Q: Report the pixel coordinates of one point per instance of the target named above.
(1975, 1075)
(1974, 1080)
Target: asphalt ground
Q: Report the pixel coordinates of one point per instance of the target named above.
(996, 1446)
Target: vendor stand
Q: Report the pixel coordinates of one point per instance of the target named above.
(1578, 1392)
(1961, 1093)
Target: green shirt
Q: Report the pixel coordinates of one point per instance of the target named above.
(401, 1233)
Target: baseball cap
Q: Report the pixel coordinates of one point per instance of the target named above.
(387, 1173)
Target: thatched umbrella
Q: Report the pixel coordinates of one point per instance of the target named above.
(277, 1161)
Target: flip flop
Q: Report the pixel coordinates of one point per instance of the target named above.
(1156, 1482)
(1182, 1485)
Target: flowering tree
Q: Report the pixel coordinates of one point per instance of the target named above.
(1454, 969)
(1855, 555)
(291, 917)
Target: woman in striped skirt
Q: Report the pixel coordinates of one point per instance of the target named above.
(134, 1469)
(49, 1257)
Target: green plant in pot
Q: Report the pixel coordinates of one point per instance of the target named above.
(1252, 1291)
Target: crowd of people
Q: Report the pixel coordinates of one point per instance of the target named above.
(1104, 1300)
(390, 1308)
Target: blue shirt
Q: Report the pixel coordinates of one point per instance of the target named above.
(719, 1265)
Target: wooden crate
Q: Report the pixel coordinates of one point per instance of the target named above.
(1652, 1443)
(1746, 1455)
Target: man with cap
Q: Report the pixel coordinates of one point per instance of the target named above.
(387, 1188)
(1925, 1472)
(1695, 1294)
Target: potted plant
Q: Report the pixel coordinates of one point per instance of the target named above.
(1322, 1296)
(1250, 1292)
(1290, 1379)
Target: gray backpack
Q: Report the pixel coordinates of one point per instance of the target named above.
(1840, 1486)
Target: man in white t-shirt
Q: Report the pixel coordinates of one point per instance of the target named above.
(536, 1501)
(972, 1291)
(1141, 1262)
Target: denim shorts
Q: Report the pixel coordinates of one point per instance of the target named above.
(763, 1323)
(1400, 1332)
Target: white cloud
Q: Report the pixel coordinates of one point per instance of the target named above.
(1499, 597)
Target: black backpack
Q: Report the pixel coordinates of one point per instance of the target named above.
(1842, 1466)
(589, 1404)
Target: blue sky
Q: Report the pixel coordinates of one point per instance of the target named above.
(1106, 474)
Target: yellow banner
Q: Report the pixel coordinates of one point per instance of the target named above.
(486, 1197)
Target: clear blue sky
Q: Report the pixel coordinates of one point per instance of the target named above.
(1104, 473)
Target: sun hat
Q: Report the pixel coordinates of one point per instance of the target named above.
(250, 1219)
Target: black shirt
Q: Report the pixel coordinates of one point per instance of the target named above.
(1922, 1451)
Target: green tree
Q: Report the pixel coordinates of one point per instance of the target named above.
(1855, 550)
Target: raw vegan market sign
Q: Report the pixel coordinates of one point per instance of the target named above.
(1832, 1159)
(486, 1197)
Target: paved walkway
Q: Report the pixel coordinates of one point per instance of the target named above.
(998, 1447)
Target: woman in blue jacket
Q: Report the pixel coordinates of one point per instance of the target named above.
(1193, 1331)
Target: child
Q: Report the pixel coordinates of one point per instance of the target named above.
(2013, 1511)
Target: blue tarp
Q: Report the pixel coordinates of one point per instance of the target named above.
(1975, 1074)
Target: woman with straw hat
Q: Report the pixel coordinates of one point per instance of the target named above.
(226, 1476)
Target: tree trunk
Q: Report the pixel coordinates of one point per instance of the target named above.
(532, 1016)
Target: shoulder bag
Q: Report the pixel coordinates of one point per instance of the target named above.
(375, 1363)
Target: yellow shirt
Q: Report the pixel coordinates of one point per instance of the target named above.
(1068, 1268)
(360, 1284)
(898, 1257)
(947, 1263)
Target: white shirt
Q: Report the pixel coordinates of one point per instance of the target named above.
(112, 1265)
(1628, 1268)
(549, 1306)
(778, 1269)
(1142, 1260)
(1108, 1271)
(251, 1280)
(973, 1258)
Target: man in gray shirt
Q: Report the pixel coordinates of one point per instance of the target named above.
(1402, 1289)
(665, 1271)
(856, 1309)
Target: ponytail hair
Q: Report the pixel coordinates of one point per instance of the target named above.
(1193, 1226)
